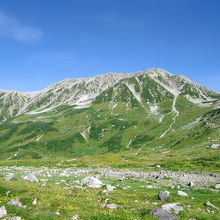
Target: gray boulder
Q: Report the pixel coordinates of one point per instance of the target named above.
(169, 207)
(10, 176)
(16, 202)
(162, 214)
(217, 186)
(214, 146)
(15, 218)
(164, 195)
(211, 205)
(92, 182)
(181, 193)
(112, 206)
(3, 212)
(30, 177)
(75, 217)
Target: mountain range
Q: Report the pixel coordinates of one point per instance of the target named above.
(106, 113)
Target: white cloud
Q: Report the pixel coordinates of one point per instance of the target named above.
(11, 27)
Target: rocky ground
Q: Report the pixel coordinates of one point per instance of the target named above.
(104, 193)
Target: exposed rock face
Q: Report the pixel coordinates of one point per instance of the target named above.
(3, 212)
(30, 177)
(164, 195)
(162, 214)
(92, 182)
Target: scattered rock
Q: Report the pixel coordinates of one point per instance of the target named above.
(217, 186)
(164, 195)
(57, 213)
(181, 193)
(176, 207)
(110, 187)
(149, 187)
(16, 202)
(30, 177)
(10, 176)
(75, 217)
(15, 218)
(112, 206)
(3, 212)
(175, 187)
(105, 192)
(214, 146)
(92, 182)
(211, 205)
(35, 202)
(162, 214)
(43, 185)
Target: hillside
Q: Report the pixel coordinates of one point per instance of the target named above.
(102, 114)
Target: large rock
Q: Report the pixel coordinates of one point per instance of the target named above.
(211, 205)
(162, 214)
(75, 217)
(217, 186)
(3, 212)
(92, 182)
(110, 187)
(30, 177)
(10, 176)
(15, 218)
(16, 202)
(214, 146)
(164, 195)
(169, 207)
(181, 193)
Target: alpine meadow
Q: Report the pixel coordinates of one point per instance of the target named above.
(110, 110)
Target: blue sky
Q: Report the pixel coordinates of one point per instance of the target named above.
(45, 41)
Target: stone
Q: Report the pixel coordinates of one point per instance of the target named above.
(35, 202)
(16, 202)
(217, 186)
(110, 187)
(214, 146)
(164, 195)
(111, 206)
(10, 176)
(92, 182)
(15, 218)
(211, 205)
(75, 217)
(30, 177)
(181, 193)
(162, 214)
(176, 207)
(157, 166)
(43, 185)
(57, 213)
(3, 212)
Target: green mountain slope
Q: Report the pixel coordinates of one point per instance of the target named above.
(107, 114)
